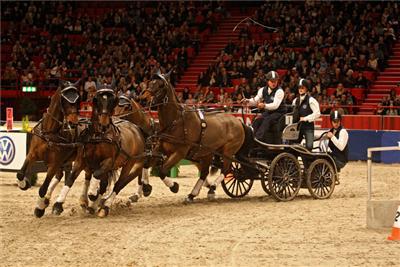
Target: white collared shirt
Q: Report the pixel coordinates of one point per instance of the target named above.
(314, 105)
(341, 142)
(278, 98)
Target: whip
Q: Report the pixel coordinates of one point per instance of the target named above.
(256, 22)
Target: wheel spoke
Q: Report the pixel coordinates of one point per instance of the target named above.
(232, 185)
(240, 185)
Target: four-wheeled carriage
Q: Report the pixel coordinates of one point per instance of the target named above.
(283, 169)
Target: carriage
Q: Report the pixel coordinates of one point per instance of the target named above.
(283, 167)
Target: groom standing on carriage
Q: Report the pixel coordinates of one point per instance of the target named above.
(270, 100)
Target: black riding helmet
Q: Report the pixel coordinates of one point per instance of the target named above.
(305, 83)
(335, 115)
(272, 75)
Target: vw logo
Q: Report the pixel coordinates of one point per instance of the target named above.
(7, 150)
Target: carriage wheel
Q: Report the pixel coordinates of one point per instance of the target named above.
(284, 179)
(264, 181)
(321, 179)
(239, 184)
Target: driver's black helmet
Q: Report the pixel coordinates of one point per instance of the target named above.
(305, 83)
(335, 115)
(272, 75)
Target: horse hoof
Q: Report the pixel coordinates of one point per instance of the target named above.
(38, 212)
(174, 188)
(147, 190)
(134, 198)
(90, 211)
(58, 208)
(211, 196)
(103, 212)
(93, 198)
(97, 173)
(188, 199)
(23, 184)
(83, 203)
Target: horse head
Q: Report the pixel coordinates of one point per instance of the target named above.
(157, 90)
(104, 103)
(124, 106)
(69, 101)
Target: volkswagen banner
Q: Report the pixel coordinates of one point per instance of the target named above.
(12, 150)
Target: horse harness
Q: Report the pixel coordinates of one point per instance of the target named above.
(56, 138)
(197, 145)
(111, 136)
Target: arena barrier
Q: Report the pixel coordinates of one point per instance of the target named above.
(380, 213)
(14, 145)
(361, 140)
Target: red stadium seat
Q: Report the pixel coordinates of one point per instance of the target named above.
(229, 89)
(358, 93)
(330, 91)
(370, 75)
(236, 82)
(281, 72)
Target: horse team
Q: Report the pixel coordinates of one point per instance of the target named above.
(120, 139)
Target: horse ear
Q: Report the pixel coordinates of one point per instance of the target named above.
(113, 83)
(76, 84)
(94, 101)
(168, 75)
(62, 83)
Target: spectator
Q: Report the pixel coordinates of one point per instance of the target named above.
(340, 90)
(392, 111)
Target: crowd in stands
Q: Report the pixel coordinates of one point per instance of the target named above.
(390, 105)
(59, 40)
(333, 44)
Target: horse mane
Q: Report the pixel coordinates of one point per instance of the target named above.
(55, 101)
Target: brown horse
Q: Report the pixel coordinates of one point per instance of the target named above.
(51, 142)
(132, 111)
(108, 146)
(188, 133)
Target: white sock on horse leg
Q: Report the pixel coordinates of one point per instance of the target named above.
(168, 182)
(94, 186)
(85, 188)
(53, 183)
(140, 191)
(110, 199)
(63, 194)
(197, 187)
(145, 176)
(207, 183)
(218, 180)
(40, 203)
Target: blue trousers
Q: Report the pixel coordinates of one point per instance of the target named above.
(308, 134)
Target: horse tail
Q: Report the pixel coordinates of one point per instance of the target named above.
(247, 143)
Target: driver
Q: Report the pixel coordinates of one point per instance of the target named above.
(306, 111)
(270, 100)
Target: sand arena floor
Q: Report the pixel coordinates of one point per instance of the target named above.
(161, 231)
